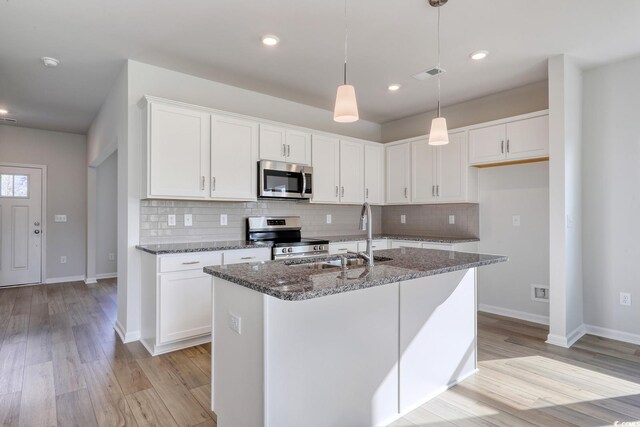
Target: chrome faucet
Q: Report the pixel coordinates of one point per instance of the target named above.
(367, 224)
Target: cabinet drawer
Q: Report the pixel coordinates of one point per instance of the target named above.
(441, 246)
(405, 244)
(377, 245)
(239, 256)
(343, 247)
(190, 261)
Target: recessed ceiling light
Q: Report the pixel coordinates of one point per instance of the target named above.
(50, 62)
(394, 87)
(478, 55)
(270, 40)
(3, 111)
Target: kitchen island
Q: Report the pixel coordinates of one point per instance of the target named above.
(331, 342)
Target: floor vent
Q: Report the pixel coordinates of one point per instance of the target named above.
(432, 72)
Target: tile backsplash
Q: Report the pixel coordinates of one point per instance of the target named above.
(206, 219)
(433, 220)
(429, 220)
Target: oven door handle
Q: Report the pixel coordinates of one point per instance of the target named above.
(304, 183)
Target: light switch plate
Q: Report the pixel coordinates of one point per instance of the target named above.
(171, 220)
(452, 219)
(112, 256)
(515, 219)
(188, 220)
(328, 218)
(235, 323)
(223, 219)
(60, 218)
(403, 219)
(63, 259)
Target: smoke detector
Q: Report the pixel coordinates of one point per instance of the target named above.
(432, 72)
(50, 62)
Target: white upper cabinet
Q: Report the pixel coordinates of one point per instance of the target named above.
(284, 145)
(374, 174)
(518, 139)
(351, 172)
(326, 169)
(177, 152)
(424, 172)
(234, 156)
(398, 173)
(452, 170)
(528, 138)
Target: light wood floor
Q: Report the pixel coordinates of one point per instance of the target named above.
(62, 364)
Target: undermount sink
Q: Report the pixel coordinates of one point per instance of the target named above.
(337, 263)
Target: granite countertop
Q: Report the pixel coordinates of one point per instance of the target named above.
(177, 248)
(426, 239)
(293, 281)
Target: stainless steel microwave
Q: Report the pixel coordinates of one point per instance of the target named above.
(284, 180)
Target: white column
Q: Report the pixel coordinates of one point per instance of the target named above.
(92, 189)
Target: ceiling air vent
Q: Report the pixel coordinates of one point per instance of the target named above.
(432, 72)
(8, 121)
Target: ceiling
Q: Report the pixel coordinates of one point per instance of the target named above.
(220, 39)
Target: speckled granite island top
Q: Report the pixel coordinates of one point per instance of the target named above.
(426, 239)
(296, 279)
(177, 248)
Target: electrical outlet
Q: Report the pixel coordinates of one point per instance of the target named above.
(112, 257)
(235, 323)
(625, 298)
(452, 219)
(188, 220)
(515, 219)
(171, 220)
(63, 259)
(540, 293)
(403, 219)
(60, 218)
(223, 219)
(328, 218)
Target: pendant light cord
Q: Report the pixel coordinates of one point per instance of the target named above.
(346, 37)
(439, 72)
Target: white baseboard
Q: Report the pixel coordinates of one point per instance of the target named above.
(90, 280)
(64, 279)
(126, 336)
(156, 350)
(613, 334)
(522, 315)
(106, 276)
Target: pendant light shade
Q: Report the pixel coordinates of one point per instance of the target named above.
(439, 134)
(346, 109)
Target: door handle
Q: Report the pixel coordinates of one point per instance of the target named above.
(202, 183)
(405, 192)
(284, 150)
(437, 191)
(366, 193)
(36, 231)
(247, 257)
(342, 191)
(288, 150)
(502, 147)
(304, 184)
(336, 191)
(213, 183)
(507, 145)
(433, 190)
(191, 263)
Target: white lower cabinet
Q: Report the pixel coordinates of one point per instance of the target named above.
(342, 247)
(395, 244)
(177, 296)
(377, 245)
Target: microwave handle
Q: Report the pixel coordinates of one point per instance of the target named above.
(304, 183)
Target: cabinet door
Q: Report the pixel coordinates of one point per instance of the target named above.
(395, 244)
(178, 152)
(185, 305)
(487, 145)
(343, 247)
(273, 143)
(374, 174)
(240, 256)
(451, 183)
(351, 172)
(528, 138)
(423, 171)
(234, 156)
(326, 169)
(398, 173)
(298, 147)
(378, 245)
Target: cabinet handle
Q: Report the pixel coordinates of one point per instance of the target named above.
(507, 145)
(336, 191)
(247, 257)
(202, 183)
(343, 249)
(191, 263)
(437, 191)
(213, 183)
(433, 190)
(288, 150)
(502, 147)
(342, 191)
(284, 150)
(405, 192)
(366, 193)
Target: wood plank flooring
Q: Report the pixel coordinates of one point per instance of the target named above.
(62, 364)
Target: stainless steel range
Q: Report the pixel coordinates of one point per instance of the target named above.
(284, 232)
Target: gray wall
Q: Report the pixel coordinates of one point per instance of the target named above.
(206, 219)
(521, 100)
(432, 220)
(503, 192)
(106, 215)
(65, 155)
(611, 201)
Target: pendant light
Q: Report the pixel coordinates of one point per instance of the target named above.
(438, 134)
(346, 108)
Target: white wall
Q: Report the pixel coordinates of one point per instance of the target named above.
(565, 205)
(65, 156)
(503, 192)
(611, 195)
(107, 215)
(521, 100)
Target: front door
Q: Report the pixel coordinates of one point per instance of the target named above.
(20, 225)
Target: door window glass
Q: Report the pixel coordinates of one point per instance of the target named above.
(14, 186)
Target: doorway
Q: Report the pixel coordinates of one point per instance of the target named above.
(21, 224)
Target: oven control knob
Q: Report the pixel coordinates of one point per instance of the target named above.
(316, 248)
(284, 250)
(289, 250)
